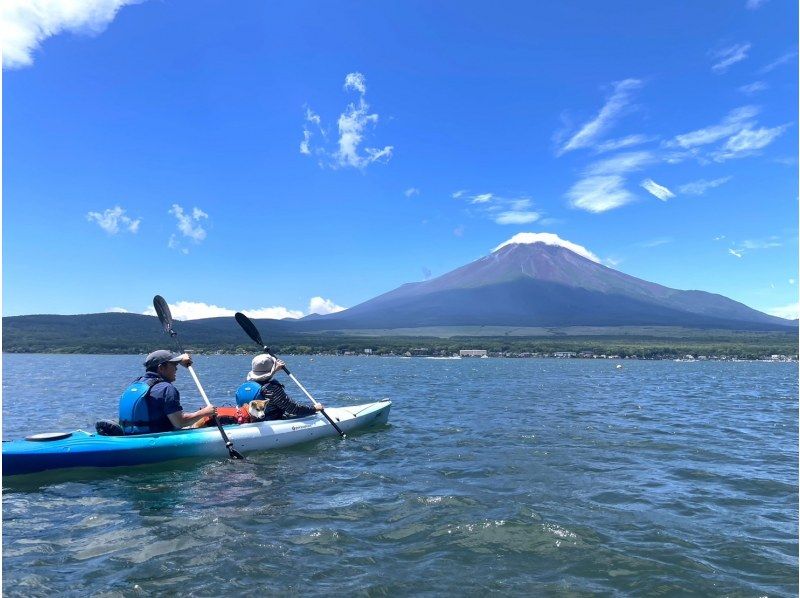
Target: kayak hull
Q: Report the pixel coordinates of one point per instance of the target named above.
(82, 449)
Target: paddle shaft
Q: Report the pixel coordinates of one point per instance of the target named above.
(322, 411)
(228, 444)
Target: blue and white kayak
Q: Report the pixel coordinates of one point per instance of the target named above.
(45, 452)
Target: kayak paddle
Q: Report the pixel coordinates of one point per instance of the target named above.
(162, 309)
(251, 330)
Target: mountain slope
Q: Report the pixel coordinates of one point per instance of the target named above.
(543, 285)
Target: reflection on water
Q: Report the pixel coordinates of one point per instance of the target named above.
(511, 476)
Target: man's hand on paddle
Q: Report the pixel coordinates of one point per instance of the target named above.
(186, 360)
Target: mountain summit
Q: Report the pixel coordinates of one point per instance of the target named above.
(543, 283)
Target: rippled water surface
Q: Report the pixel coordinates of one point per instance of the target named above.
(556, 477)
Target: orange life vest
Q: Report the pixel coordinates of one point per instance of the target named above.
(227, 416)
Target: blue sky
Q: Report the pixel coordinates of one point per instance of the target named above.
(288, 157)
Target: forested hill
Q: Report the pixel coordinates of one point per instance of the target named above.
(132, 333)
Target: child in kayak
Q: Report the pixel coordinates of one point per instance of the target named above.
(278, 403)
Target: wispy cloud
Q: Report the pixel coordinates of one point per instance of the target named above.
(623, 142)
(599, 193)
(459, 231)
(781, 60)
(755, 4)
(602, 187)
(790, 312)
(457, 194)
(621, 163)
(701, 186)
(411, 191)
(188, 225)
(353, 125)
(112, 219)
(747, 141)
(754, 87)
(614, 106)
(25, 24)
(657, 190)
(735, 121)
(656, 242)
(748, 245)
(769, 243)
(116, 310)
(729, 56)
(516, 217)
(482, 198)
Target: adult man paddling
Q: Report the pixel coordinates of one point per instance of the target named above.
(152, 403)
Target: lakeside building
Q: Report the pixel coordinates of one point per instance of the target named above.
(472, 353)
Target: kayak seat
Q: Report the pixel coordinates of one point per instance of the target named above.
(108, 428)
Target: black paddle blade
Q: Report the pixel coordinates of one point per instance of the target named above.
(249, 328)
(162, 310)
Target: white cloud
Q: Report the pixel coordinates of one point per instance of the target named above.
(620, 164)
(516, 217)
(352, 126)
(459, 193)
(656, 242)
(25, 24)
(755, 4)
(623, 142)
(321, 306)
(735, 253)
(792, 281)
(701, 186)
(195, 310)
(117, 310)
(411, 191)
(729, 56)
(753, 87)
(602, 187)
(657, 190)
(548, 239)
(735, 121)
(311, 117)
(591, 131)
(351, 129)
(110, 220)
(482, 198)
(459, 231)
(273, 313)
(747, 141)
(779, 61)
(355, 81)
(719, 237)
(599, 193)
(305, 147)
(189, 226)
(790, 312)
(770, 243)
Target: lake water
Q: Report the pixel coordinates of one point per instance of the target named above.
(535, 477)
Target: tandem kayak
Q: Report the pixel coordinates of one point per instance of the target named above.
(45, 452)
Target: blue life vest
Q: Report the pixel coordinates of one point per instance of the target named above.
(134, 413)
(249, 391)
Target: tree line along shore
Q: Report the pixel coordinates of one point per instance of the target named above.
(760, 346)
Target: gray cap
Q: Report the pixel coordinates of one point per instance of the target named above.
(156, 358)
